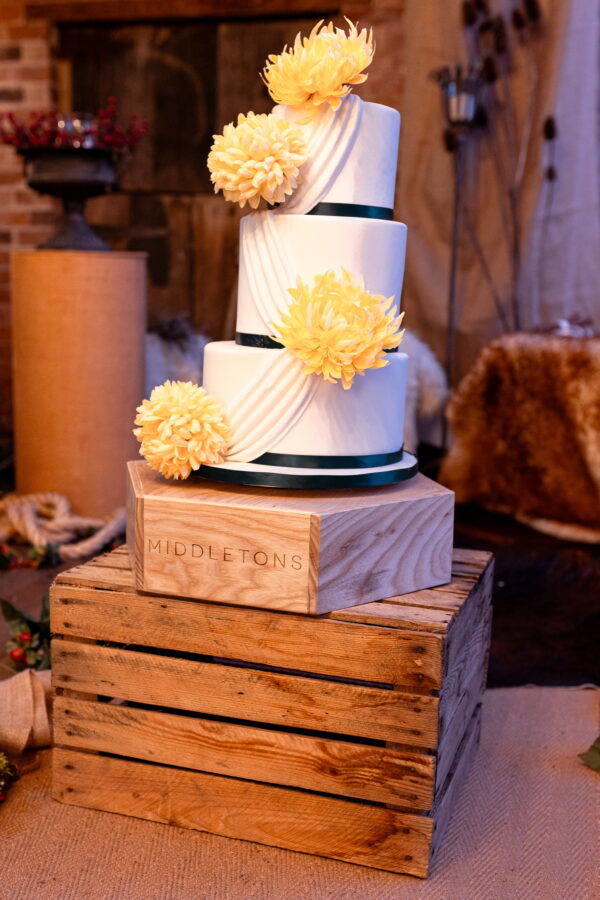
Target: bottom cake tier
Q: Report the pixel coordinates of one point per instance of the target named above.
(339, 437)
(367, 419)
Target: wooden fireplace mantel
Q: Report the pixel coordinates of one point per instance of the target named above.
(131, 10)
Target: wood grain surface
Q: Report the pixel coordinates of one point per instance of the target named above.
(455, 778)
(345, 735)
(250, 694)
(295, 820)
(322, 764)
(326, 646)
(131, 10)
(309, 552)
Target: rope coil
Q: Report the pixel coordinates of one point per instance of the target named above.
(44, 519)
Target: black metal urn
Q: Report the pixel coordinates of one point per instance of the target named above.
(73, 174)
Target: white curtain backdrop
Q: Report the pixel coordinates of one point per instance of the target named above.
(561, 262)
(562, 267)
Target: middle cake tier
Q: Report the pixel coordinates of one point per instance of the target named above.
(277, 249)
(366, 420)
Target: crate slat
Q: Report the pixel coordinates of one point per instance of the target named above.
(327, 646)
(332, 766)
(324, 826)
(455, 779)
(251, 694)
(397, 615)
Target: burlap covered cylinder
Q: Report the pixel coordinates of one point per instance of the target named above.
(78, 372)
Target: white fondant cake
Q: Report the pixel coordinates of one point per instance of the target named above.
(276, 249)
(311, 394)
(272, 406)
(367, 419)
(330, 231)
(353, 154)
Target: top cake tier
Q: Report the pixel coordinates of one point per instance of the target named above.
(353, 154)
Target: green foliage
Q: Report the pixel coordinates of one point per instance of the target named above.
(591, 757)
(32, 652)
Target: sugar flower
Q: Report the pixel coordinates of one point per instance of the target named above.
(338, 328)
(180, 428)
(260, 157)
(320, 68)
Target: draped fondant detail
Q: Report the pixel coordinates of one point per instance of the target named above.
(330, 138)
(276, 397)
(269, 406)
(267, 266)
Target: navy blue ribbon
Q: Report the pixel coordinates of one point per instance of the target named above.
(267, 343)
(298, 461)
(354, 210)
(307, 482)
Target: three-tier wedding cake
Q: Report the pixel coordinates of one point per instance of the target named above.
(311, 392)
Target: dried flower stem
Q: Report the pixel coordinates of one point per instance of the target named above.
(479, 253)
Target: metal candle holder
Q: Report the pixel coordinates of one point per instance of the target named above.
(460, 104)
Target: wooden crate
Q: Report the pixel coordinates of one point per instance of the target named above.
(346, 736)
(299, 551)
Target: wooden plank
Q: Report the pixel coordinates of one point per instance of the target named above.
(403, 547)
(99, 575)
(249, 694)
(452, 730)
(295, 820)
(396, 616)
(276, 757)
(449, 597)
(118, 559)
(474, 560)
(465, 670)
(245, 46)
(252, 557)
(102, 572)
(455, 780)
(115, 559)
(326, 645)
(132, 10)
(469, 614)
(215, 229)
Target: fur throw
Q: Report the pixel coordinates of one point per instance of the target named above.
(526, 433)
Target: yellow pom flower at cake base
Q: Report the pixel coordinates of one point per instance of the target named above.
(339, 329)
(321, 68)
(259, 158)
(180, 428)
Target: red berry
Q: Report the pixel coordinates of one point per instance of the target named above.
(17, 654)
(2, 798)
(24, 637)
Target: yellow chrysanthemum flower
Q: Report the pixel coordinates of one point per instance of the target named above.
(260, 157)
(180, 428)
(339, 329)
(320, 68)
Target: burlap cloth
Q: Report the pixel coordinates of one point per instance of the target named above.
(524, 829)
(24, 719)
(526, 433)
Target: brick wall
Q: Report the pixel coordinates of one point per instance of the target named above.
(25, 217)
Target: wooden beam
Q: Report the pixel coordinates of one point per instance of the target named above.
(148, 10)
